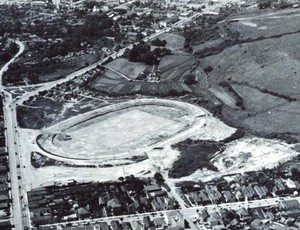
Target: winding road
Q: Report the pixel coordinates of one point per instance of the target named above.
(5, 67)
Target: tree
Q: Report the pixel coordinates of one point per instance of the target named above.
(295, 173)
(150, 59)
(208, 69)
(159, 178)
(158, 42)
(13, 48)
(190, 79)
(262, 4)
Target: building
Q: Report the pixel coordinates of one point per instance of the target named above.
(287, 205)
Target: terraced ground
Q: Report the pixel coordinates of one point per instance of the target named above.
(263, 70)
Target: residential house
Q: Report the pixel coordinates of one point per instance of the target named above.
(204, 197)
(174, 218)
(3, 198)
(147, 222)
(83, 213)
(243, 214)
(3, 187)
(115, 225)
(115, 206)
(126, 226)
(203, 215)
(137, 225)
(260, 192)
(104, 226)
(257, 224)
(239, 196)
(159, 223)
(152, 188)
(229, 197)
(3, 151)
(4, 205)
(258, 213)
(286, 205)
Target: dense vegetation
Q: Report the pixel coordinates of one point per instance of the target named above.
(158, 42)
(51, 39)
(142, 53)
(194, 155)
(7, 51)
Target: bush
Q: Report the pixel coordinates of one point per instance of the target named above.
(158, 42)
(208, 69)
(190, 79)
(194, 155)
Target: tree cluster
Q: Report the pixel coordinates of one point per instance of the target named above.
(204, 29)
(190, 79)
(262, 4)
(142, 53)
(158, 42)
(8, 53)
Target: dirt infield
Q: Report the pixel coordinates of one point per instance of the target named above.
(118, 132)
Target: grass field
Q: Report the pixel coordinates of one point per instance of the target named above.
(265, 73)
(130, 69)
(173, 67)
(175, 42)
(257, 26)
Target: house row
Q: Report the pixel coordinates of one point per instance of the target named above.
(4, 177)
(78, 201)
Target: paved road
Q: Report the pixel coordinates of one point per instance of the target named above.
(20, 218)
(5, 67)
(114, 55)
(191, 211)
(12, 147)
(14, 172)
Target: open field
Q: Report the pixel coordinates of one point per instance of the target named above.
(118, 132)
(44, 111)
(160, 155)
(272, 24)
(252, 154)
(175, 42)
(245, 155)
(114, 133)
(174, 67)
(247, 152)
(265, 73)
(129, 69)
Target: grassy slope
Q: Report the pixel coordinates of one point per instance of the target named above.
(269, 64)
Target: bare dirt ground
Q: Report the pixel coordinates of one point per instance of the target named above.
(270, 64)
(247, 154)
(242, 155)
(114, 133)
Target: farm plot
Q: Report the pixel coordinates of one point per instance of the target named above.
(268, 25)
(175, 42)
(265, 74)
(173, 67)
(254, 104)
(281, 119)
(129, 69)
